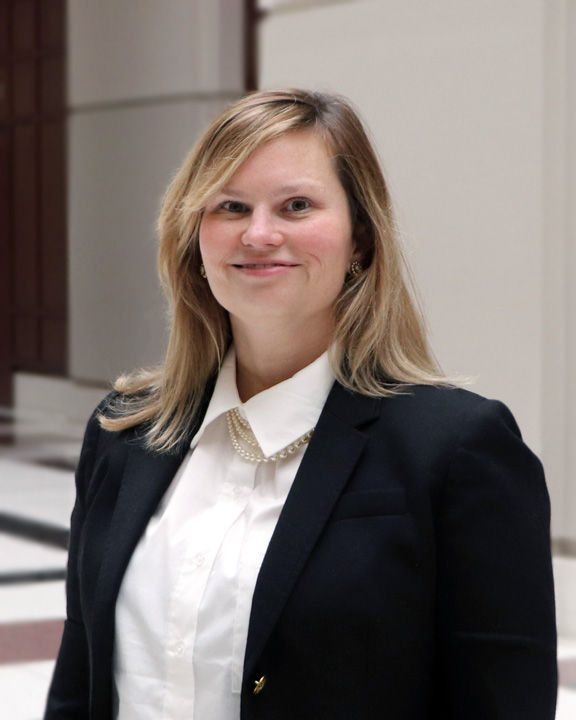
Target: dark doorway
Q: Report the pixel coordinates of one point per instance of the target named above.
(33, 246)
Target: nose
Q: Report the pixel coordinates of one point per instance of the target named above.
(262, 230)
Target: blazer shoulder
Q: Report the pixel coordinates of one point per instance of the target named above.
(108, 407)
(444, 417)
(428, 410)
(96, 445)
(441, 402)
(443, 396)
(103, 406)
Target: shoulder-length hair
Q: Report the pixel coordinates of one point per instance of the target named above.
(379, 343)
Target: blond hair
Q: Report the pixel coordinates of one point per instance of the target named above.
(379, 343)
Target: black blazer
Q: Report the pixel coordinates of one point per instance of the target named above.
(408, 578)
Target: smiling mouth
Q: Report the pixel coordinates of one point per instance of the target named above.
(263, 266)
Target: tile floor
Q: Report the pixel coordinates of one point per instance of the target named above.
(37, 457)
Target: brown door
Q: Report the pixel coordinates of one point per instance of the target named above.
(33, 273)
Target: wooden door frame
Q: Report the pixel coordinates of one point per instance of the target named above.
(33, 320)
(251, 18)
(7, 367)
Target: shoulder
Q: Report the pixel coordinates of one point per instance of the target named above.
(442, 410)
(438, 401)
(434, 427)
(97, 446)
(455, 446)
(429, 411)
(94, 433)
(466, 434)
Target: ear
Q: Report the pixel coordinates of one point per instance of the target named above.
(361, 242)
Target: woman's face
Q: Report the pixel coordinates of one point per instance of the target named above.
(276, 242)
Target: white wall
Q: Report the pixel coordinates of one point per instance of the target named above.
(569, 407)
(121, 50)
(454, 94)
(558, 391)
(144, 79)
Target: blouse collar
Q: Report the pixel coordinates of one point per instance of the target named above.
(280, 414)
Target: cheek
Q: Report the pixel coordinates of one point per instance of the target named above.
(330, 246)
(211, 240)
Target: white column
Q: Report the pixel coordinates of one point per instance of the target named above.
(570, 323)
(144, 80)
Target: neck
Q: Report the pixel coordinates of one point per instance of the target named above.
(266, 356)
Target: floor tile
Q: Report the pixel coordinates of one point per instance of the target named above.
(25, 642)
(17, 555)
(23, 690)
(36, 492)
(566, 709)
(29, 602)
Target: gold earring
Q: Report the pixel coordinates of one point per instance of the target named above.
(355, 268)
(202, 270)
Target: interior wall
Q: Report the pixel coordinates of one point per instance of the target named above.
(557, 397)
(570, 279)
(454, 94)
(453, 99)
(143, 81)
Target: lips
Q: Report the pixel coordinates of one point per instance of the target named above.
(263, 266)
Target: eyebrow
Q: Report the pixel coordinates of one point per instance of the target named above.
(297, 187)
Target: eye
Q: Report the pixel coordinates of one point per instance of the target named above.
(233, 206)
(298, 205)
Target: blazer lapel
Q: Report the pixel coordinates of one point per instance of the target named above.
(328, 463)
(145, 479)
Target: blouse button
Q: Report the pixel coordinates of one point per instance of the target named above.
(199, 559)
(179, 648)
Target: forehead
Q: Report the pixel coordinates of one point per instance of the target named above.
(301, 154)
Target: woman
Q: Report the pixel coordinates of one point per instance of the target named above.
(296, 516)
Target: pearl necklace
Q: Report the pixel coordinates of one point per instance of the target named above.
(240, 431)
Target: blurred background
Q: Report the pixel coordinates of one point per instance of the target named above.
(472, 106)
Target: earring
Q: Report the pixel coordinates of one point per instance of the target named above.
(202, 270)
(355, 268)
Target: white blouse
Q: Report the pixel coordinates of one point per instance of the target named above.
(184, 605)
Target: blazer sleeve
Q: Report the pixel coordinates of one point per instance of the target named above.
(496, 631)
(68, 697)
